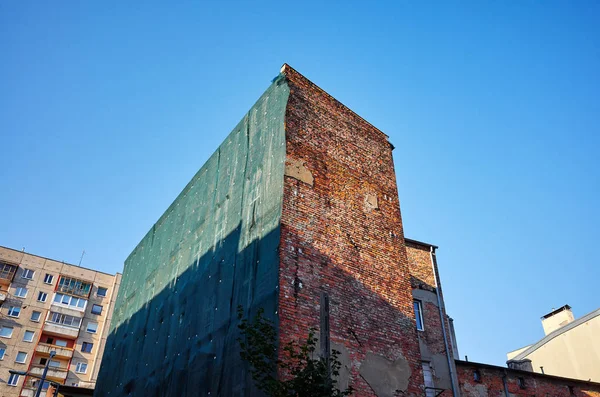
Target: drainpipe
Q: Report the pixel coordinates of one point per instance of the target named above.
(455, 391)
(505, 385)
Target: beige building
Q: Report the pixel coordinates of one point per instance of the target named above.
(571, 348)
(46, 306)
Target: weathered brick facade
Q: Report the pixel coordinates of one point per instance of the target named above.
(503, 382)
(342, 233)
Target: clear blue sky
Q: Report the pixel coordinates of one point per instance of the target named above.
(108, 109)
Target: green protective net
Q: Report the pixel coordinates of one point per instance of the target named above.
(174, 327)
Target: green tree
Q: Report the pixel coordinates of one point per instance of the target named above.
(306, 376)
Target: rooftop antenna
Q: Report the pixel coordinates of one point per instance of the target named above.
(80, 259)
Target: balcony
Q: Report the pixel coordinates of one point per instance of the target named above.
(27, 392)
(53, 373)
(2, 297)
(61, 330)
(61, 352)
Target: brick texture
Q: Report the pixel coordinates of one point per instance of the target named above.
(343, 235)
(538, 385)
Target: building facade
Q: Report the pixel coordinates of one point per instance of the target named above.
(570, 347)
(48, 306)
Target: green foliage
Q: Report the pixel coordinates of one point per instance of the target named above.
(306, 376)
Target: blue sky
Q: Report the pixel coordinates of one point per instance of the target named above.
(109, 108)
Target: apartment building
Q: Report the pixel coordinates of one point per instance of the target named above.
(50, 306)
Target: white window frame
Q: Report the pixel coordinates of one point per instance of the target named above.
(40, 295)
(419, 314)
(13, 380)
(32, 336)
(11, 331)
(11, 308)
(27, 272)
(87, 327)
(53, 364)
(78, 368)
(21, 289)
(48, 276)
(39, 316)
(69, 299)
(17, 358)
(60, 343)
(2, 352)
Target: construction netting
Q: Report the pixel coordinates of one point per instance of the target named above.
(174, 329)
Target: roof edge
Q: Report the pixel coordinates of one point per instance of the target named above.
(421, 243)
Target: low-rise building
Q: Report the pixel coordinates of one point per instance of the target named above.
(50, 306)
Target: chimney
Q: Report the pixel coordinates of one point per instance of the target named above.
(557, 318)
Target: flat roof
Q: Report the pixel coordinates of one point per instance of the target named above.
(55, 260)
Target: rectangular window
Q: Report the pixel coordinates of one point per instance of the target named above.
(13, 379)
(92, 327)
(70, 301)
(86, 347)
(2, 351)
(7, 272)
(101, 291)
(42, 296)
(21, 292)
(6, 332)
(61, 343)
(14, 311)
(48, 278)
(35, 316)
(521, 382)
(428, 378)
(21, 357)
(81, 368)
(419, 314)
(54, 364)
(28, 336)
(96, 309)
(64, 319)
(74, 286)
(28, 274)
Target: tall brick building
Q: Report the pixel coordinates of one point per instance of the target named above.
(299, 200)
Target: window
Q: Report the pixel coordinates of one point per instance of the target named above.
(43, 361)
(571, 390)
(13, 379)
(521, 382)
(81, 368)
(7, 271)
(101, 291)
(2, 351)
(477, 376)
(96, 309)
(70, 301)
(64, 319)
(21, 357)
(74, 286)
(48, 278)
(28, 336)
(86, 347)
(35, 316)
(42, 296)
(6, 332)
(28, 274)
(21, 292)
(14, 311)
(92, 327)
(419, 314)
(428, 378)
(61, 343)
(54, 364)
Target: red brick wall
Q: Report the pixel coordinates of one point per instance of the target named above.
(332, 239)
(538, 385)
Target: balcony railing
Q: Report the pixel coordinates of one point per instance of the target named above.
(53, 372)
(61, 330)
(46, 348)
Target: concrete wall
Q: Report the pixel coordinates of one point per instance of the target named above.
(502, 382)
(342, 234)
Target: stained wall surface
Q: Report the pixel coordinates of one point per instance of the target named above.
(174, 329)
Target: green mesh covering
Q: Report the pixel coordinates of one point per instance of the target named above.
(174, 327)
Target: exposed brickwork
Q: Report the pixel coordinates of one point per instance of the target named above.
(336, 237)
(538, 385)
(419, 262)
